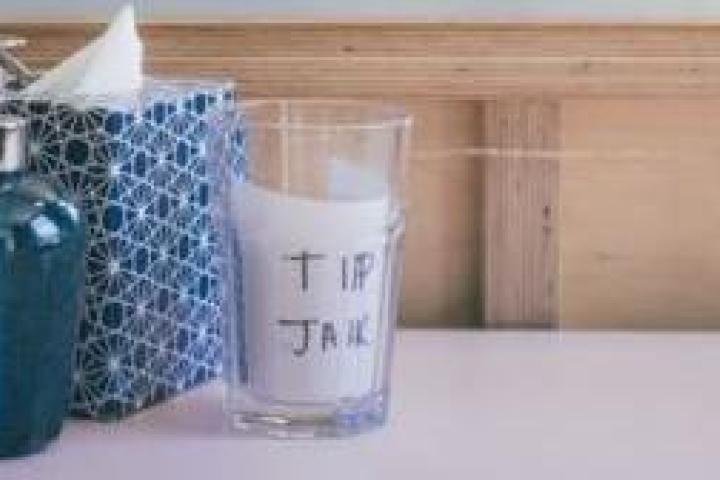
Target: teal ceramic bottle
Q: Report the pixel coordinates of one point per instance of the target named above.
(41, 278)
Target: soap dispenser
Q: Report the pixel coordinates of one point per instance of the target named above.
(41, 279)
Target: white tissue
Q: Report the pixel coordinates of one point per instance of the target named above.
(110, 65)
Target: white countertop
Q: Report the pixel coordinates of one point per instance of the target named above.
(469, 405)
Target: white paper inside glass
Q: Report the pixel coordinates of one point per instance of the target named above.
(313, 293)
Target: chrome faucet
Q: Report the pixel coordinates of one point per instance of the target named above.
(19, 74)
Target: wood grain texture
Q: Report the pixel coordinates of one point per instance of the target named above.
(396, 59)
(520, 204)
(476, 217)
(639, 215)
(442, 268)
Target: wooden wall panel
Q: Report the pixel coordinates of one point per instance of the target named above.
(442, 268)
(622, 262)
(520, 204)
(640, 219)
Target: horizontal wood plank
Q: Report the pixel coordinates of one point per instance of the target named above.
(394, 39)
(439, 60)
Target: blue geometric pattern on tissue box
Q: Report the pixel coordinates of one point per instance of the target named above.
(151, 325)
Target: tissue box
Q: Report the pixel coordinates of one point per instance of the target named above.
(139, 167)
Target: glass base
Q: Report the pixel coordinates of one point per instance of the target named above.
(283, 420)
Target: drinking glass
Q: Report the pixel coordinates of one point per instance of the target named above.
(315, 223)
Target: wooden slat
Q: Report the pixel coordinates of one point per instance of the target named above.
(520, 205)
(393, 39)
(442, 267)
(439, 60)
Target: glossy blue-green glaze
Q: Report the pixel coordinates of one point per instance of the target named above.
(41, 278)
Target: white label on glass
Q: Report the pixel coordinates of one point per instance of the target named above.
(312, 292)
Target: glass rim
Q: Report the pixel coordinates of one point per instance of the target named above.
(380, 115)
